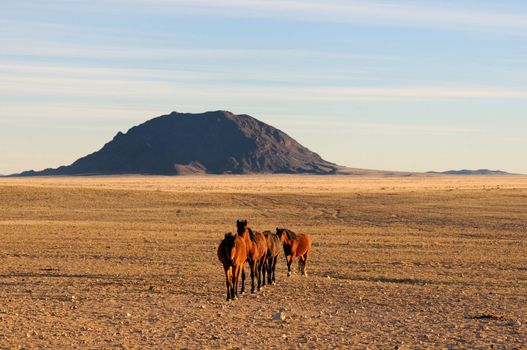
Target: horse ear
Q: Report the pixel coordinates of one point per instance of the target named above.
(245, 222)
(237, 222)
(277, 229)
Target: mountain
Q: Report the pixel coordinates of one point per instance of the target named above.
(471, 172)
(217, 142)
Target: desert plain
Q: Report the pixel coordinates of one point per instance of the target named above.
(425, 262)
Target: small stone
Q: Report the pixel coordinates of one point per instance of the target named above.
(128, 314)
(280, 315)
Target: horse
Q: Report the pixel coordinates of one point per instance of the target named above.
(256, 247)
(273, 249)
(294, 245)
(232, 253)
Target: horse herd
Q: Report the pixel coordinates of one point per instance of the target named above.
(261, 251)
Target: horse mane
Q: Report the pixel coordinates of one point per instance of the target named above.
(267, 233)
(290, 234)
(251, 234)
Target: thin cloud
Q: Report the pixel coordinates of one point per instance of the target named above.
(364, 12)
(151, 89)
(361, 128)
(192, 75)
(15, 46)
(374, 12)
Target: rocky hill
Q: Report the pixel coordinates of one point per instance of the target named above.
(217, 142)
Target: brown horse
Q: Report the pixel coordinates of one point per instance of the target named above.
(232, 253)
(294, 245)
(256, 247)
(273, 249)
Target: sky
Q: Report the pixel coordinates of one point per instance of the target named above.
(394, 85)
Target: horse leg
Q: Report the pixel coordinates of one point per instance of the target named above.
(228, 282)
(232, 282)
(235, 276)
(304, 262)
(258, 273)
(263, 269)
(252, 265)
(261, 281)
(275, 259)
(237, 270)
(269, 268)
(289, 265)
(243, 278)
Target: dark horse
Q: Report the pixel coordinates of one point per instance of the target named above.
(294, 245)
(273, 249)
(232, 253)
(256, 247)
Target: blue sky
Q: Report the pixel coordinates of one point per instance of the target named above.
(398, 85)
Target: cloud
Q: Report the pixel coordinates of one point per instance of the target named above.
(162, 86)
(240, 74)
(350, 127)
(400, 13)
(14, 46)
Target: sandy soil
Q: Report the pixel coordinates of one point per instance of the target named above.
(130, 263)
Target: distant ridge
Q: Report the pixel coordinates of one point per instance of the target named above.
(218, 142)
(471, 172)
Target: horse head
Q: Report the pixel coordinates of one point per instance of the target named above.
(280, 232)
(241, 226)
(229, 245)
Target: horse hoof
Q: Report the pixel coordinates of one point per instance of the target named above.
(289, 274)
(273, 283)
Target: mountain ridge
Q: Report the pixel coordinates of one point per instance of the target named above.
(217, 142)
(471, 172)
